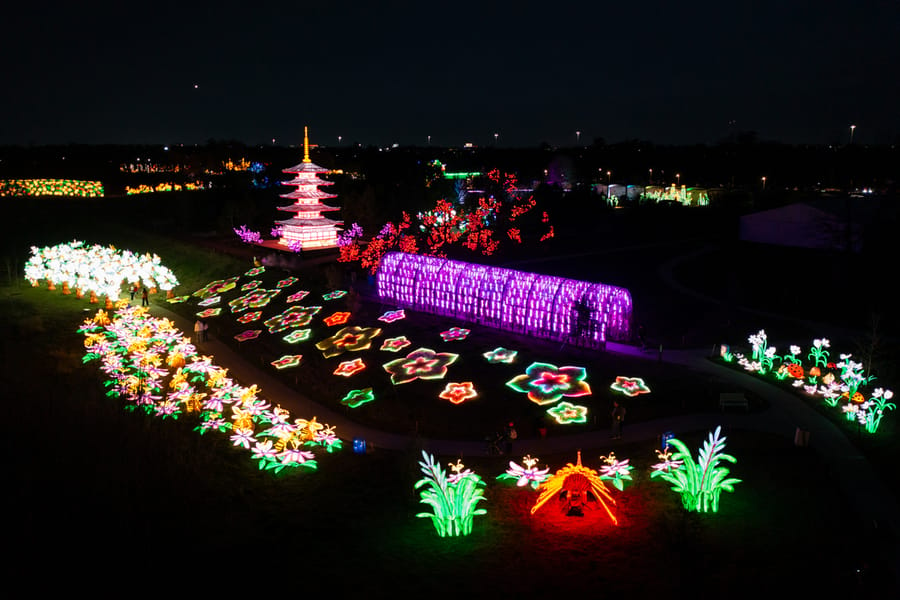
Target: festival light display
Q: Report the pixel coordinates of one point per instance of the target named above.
(395, 344)
(529, 475)
(840, 385)
(307, 229)
(255, 271)
(297, 296)
(249, 317)
(51, 187)
(252, 299)
(455, 334)
(163, 187)
(295, 316)
(615, 470)
(298, 335)
(356, 398)
(545, 383)
(100, 270)
(699, 483)
(350, 367)
(500, 355)
(529, 303)
(250, 334)
(209, 312)
(574, 486)
(452, 499)
(457, 393)
(630, 386)
(178, 299)
(287, 361)
(566, 413)
(251, 285)
(392, 315)
(334, 295)
(348, 339)
(220, 286)
(338, 318)
(138, 353)
(210, 301)
(287, 282)
(423, 363)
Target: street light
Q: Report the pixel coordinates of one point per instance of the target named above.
(852, 128)
(429, 140)
(678, 179)
(650, 181)
(577, 137)
(608, 177)
(764, 182)
(496, 135)
(339, 140)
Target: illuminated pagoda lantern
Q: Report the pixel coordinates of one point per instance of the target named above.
(307, 229)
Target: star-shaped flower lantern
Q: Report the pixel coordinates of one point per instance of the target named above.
(219, 286)
(253, 299)
(455, 334)
(545, 383)
(392, 315)
(500, 355)
(249, 317)
(295, 316)
(209, 312)
(210, 301)
(338, 318)
(348, 339)
(255, 271)
(395, 344)
(350, 367)
(457, 393)
(356, 398)
(423, 363)
(250, 334)
(566, 413)
(286, 282)
(297, 335)
(297, 296)
(630, 386)
(287, 361)
(177, 299)
(334, 295)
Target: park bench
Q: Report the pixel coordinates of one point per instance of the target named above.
(733, 399)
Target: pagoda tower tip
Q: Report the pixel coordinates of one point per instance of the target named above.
(306, 145)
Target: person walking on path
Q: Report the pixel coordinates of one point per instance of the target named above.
(198, 331)
(145, 298)
(133, 290)
(618, 416)
(204, 330)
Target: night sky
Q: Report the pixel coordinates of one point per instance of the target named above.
(383, 72)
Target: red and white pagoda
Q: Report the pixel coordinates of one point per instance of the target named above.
(307, 229)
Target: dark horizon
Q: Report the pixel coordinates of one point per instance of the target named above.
(184, 73)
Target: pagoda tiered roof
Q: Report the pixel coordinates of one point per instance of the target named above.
(318, 206)
(314, 194)
(306, 167)
(320, 222)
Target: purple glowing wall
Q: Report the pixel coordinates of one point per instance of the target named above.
(538, 305)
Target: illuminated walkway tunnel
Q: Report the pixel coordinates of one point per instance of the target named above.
(538, 305)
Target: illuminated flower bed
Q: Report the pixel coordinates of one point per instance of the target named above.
(295, 316)
(97, 269)
(841, 385)
(348, 339)
(153, 367)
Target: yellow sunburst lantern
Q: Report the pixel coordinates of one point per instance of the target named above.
(574, 485)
